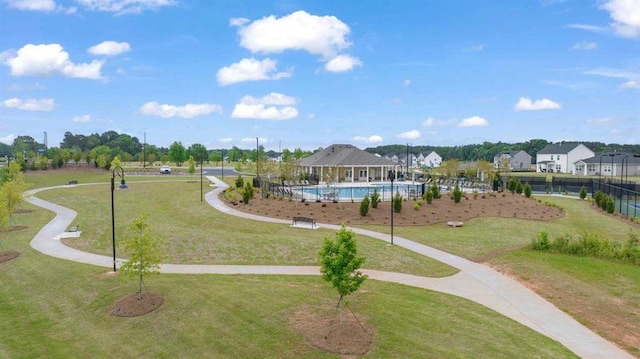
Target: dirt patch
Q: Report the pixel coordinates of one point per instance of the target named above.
(132, 306)
(8, 255)
(23, 210)
(441, 210)
(324, 330)
(14, 228)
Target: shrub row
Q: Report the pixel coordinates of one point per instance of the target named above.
(591, 245)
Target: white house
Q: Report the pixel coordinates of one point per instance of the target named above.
(431, 160)
(611, 164)
(561, 157)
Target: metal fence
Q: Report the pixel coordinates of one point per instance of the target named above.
(625, 195)
(324, 193)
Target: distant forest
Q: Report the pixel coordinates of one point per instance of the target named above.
(487, 150)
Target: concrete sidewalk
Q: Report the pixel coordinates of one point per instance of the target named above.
(475, 282)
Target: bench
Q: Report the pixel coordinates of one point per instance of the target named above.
(304, 220)
(72, 183)
(74, 228)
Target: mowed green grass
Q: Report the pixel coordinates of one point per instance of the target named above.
(195, 233)
(482, 238)
(52, 308)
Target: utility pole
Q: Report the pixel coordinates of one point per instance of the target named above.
(144, 151)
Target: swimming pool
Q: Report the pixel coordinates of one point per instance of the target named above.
(357, 193)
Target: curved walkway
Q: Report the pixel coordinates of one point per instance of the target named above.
(475, 282)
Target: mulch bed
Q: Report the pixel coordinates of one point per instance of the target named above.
(132, 306)
(8, 255)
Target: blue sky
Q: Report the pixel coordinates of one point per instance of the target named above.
(311, 73)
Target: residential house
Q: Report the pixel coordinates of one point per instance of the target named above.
(347, 163)
(613, 164)
(432, 160)
(561, 157)
(517, 160)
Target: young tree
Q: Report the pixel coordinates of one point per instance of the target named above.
(116, 162)
(397, 203)
(192, 165)
(583, 192)
(11, 197)
(144, 251)
(457, 194)
(375, 198)
(340, 264)
(198, 151)
(527, 190)
(364, 206)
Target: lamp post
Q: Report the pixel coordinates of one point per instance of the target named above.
(392, 175)
(612, 156)
(120, 172)
(222, 152)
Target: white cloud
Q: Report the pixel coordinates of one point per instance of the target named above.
(601, 121)
(33, 5)
(409, 135)
(49, 59)
(82, 119)
(406, 82)
(318, 35)
(591, 28)
(371, 139)
(311, 116)
(631, 84)
(109, 48)
(525, 104)
(342, 63)
(474, 121)
(8, 139)
(189, 110)
(238, 21)
(225, 140)
(274, 106)
(45, 104)
(249, 70)
(625, 15)
(585, 45)
(431, 122)
(121, 7)
(25, 87)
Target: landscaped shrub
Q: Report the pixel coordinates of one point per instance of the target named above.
(397, 203)
(541, 242)
(416, 206)
(428, 196)
(247, 193)
(527, 190)
(583, 192)
(364, 206)
(511, 184)
(435, 189)
(518, 187)
(610, 205)
(239, 182)
(598, 197)
(375, 198)
(457, 194)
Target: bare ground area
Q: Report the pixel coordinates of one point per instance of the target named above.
(132, 306)
(441, 210)
(347, 334)
(8, 255)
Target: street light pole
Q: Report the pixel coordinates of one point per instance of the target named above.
(120, 171)
(392, 207)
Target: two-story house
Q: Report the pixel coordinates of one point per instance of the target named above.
(561, 157)
(516, 160)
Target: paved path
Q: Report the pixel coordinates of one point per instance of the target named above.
(475, 281)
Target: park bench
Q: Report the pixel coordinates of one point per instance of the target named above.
(72, 183)
(311, 221)
(74, 228)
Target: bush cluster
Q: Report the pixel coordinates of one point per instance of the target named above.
(605, 202)
(239, 182)
(591, 245)
(375, 198)
(364, 206)
(527, 190)
(397, 203)
(456, 194)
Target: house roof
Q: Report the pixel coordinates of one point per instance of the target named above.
(560, 148)
(344, 155)
(617, 158)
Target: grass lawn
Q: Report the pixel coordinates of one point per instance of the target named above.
(52, 308)
(482, 238)
(195, 233)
